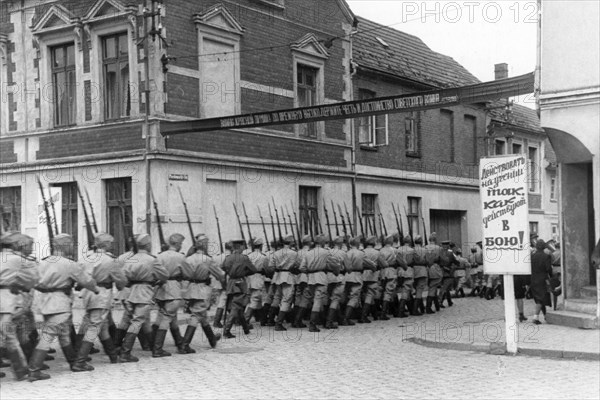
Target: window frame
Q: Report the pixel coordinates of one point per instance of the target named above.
(72, 119)
(553, 186)
(372, 122)
(120, 244)
(309, 126)
(504, 146)
(414, 217)
(414, 133)
(533, 177)
(317, 63)
(309, 213)
(369, 218)
(117, 60)
(15, 209)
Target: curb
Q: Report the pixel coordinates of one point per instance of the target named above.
(500, 349)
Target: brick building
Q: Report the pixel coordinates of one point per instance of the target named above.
(73, 109)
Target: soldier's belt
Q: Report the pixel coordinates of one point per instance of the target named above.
(105, 285)
(66, 290)
(205, 281)
(140, 282)
(177, 278)
(13, 289)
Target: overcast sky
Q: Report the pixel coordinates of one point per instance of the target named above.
(477, 34)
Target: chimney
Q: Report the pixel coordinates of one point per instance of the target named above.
(501, 71)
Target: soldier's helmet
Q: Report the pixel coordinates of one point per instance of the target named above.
(176, 238)
(407, 239)
(306, 239)
(257, 242)
(355, 241)
(320, 239)
(418, 239)
(103, 240)
(389, 239)
(143, 240)
(289, 239)
(371, 240)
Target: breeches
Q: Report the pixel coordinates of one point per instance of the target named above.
(199, 312)
(353, 290)
(167, 313)
(316, 294)
(390, 290)
(283, 296)
(55, 326)
(370, 289)
(95, 325)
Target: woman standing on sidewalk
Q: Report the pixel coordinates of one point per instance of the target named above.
(541, 271)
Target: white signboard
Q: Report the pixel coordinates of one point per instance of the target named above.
(505, 215)
(53, 195)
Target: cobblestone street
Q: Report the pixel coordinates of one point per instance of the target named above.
(364, 361)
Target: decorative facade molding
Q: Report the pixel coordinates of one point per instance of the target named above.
(55, 19)
(310, 45)
(220, 18)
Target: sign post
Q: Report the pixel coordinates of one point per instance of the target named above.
(505, 218)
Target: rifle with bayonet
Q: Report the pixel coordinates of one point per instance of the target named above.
(88, 227)
(346, 238)
(291, 224)
(349, 220)
(161, 236)
(278, 224)
(296, 220)
(51, 199)
(284, 221)
(327, 221)
(262, 221)
(401, 239)
(247, 224)
(362, 228)
(94, 224)
(273, 226)
(337, 228)
(240, 225)
(425, 232)
(410, 230)
(47, 212)
(187, 216)
(127, 234)
(319, 227)
(218, 230)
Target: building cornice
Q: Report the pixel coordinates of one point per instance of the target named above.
(570, 98)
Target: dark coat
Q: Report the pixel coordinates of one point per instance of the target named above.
(541, 271)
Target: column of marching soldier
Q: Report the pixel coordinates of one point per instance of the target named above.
(329, 281)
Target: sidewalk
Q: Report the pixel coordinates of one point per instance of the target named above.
(474, 324)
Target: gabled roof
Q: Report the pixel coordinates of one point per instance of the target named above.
(406, 57)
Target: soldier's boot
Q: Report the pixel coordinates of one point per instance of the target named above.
(313, 322)
(245, 326)
(461, 292)
(112, 331)
(119, 336)
(436, 303)
(176, 333)
(211, 336)
(491, 293)
(290, 317)
(474, 291)
(150, 337)
(218, 316)
(80, 365)
(19, 367)
(187, 339)
(110, 350)
(501, 291)
(348, 316)
(364, 319)
(273, 311)
(428, 309)
(331, 323)
(279, 323)
(384, 311)
(402, 307)
(483, 292)
(227, 329)
(248, 316)
(144, 340)
(395, 308)
(159, 341)
(298, 318)
(2, 375)
(76, 341)
(449, 298)
(35, 364)
(70, 354)
(264, 315)
(128, 341)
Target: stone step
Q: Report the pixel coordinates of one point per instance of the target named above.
(589, 292)
(572, 319)
(585, 305)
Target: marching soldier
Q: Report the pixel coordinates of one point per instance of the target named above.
(336, 281)
(370, 278)
(420, 276)
(447, 263)
(314, 263)
(256, 282)
(356, 262)
(105, 270)
(237, 266)
(197, 270)
(476, 262)
(433, 252)
(285, 261)
(460, 273)
(18, 272)
(142, 270)
(168, 296)
(218, 289)
(301, 285)
(58, 272)
(406, 260)
(269, 292)
(389, 275)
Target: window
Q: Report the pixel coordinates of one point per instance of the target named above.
(413, 214)
(411, 136)
(115, 60)
(447, 117)
(553, 188)
(64, 84)
(373, 130)
(10, 201)
(500, 147)
(470, 151)
(118, 199)
(555, 233)
(517, 148)
(533, 228)
(69, 210)
(533, 167)
(368, 213)
(306, 89)
(309, 211)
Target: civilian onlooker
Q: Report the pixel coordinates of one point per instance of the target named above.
(541, 272)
